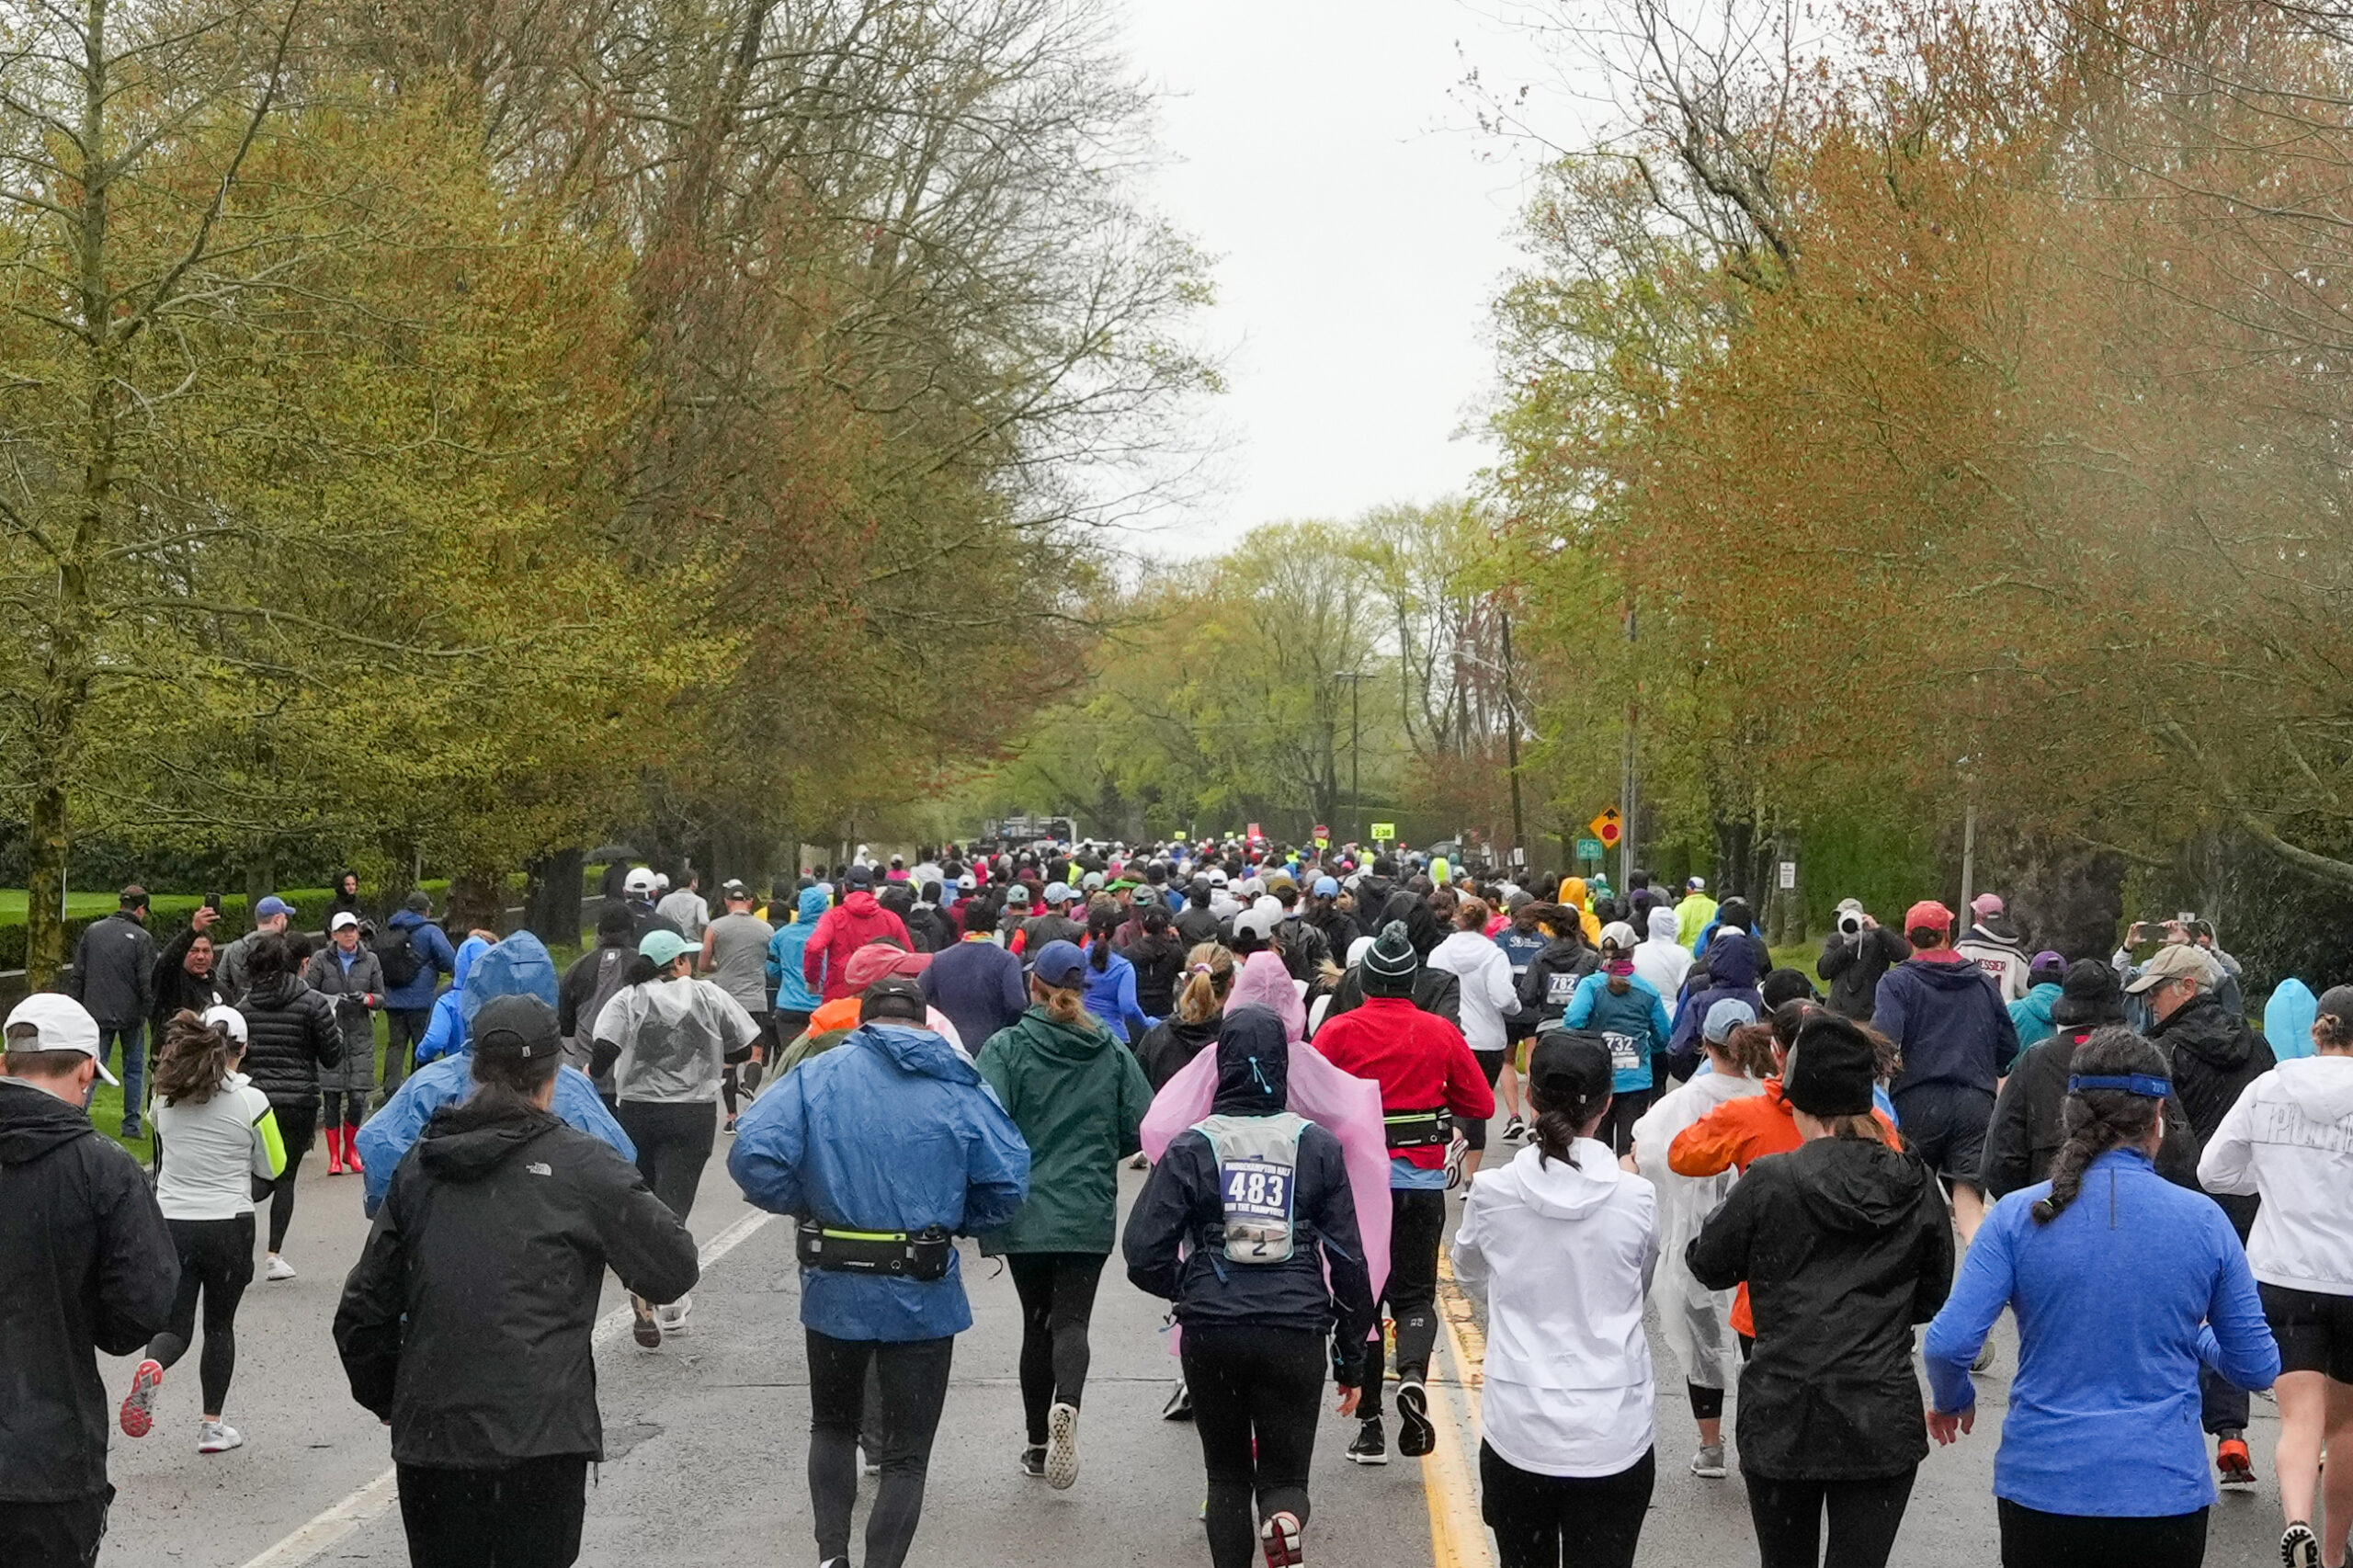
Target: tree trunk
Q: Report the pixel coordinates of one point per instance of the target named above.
(44, 921)
(551, 902)
(477, 899)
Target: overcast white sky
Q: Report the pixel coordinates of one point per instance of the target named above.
(1320, 151)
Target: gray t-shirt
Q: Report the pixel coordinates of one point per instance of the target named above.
(739, 959)
(674, 1036)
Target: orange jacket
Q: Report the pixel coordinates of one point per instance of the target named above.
(1735, 1136)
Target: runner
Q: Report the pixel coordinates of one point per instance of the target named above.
(1199, 1014)
(1112, 979)
(1845, 1244)
(1079, 1098)
(2125, 1294)
(734, 954)
(215, 1138)
(840, 932)
(91, 1266)
(1695, 1321)
(976, 983)
(1490, 1000)
(1158, 954)
(796, 998)
(466, 1323)
(352, 980)
(2287, 1138)
(1561, 1244)
(882, 1149)
(667, 1036)
(1630, 1017)
(291, 1036)
(1428, 1080)
(1238, 1225)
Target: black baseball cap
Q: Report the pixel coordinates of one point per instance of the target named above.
(892, 999)
(517, 1026)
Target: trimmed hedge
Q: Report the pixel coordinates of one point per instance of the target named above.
(169, 914)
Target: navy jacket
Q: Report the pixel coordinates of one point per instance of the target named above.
(1950, 1021)
(435, 958)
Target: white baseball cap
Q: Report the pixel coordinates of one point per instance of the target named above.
(640, 880)
(228, 1018)
(58, 1023)
(343, 917)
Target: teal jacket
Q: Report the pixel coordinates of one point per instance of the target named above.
(1079, 1098)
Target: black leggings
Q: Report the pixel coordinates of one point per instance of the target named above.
(1864, 1518)
(1057, 1291)
(1617, 1127)
(1416, 1223)
(346, 1107)
(1255, 1394)
(2032, 1540)
(297, 1126)
(1474, 1132)
(525, 1516)
(216, 1257)
(673, 1140)
(914, 1376)
(1582, 1521)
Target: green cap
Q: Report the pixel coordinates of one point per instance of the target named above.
(664, 948)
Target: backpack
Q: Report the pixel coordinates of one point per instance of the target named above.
(1257, 1164)
(399, 958)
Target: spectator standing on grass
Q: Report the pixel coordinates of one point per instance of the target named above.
(90, 1267)
(413, 955)
(114, 977)
(348, 976)
(271, 917)
(184, 975)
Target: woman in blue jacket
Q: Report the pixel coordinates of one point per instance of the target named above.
(1112, 979)
(2124, 1285)
(1631, 1016)
(891, 1134)
(795, 998)
(1238, 1225)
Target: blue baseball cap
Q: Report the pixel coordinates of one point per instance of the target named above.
(271, 907)
(1728, 1014)
(1327, 887)
(1059, 963)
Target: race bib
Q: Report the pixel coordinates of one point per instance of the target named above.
(1258, 1212)
(1559, 989)
(1625, 1051)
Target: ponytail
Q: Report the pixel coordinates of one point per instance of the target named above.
(1211, 977)
(1564, 1108)
(1101, 921)
(2096, 1120)
(197, 1057)
(1750, 1050)
(1064, 1004)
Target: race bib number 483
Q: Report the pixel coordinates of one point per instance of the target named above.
(1256, 1189)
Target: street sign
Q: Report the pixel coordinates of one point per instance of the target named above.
(1321, 832)
(1518, 856)
(1789, 874)
(1589, 848)
(1382, 832)
(1608, 827)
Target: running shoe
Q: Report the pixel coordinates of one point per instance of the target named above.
(645, 1328)
(1416, 1436)
(1514, 1130)
(1708, 1464)
(1061, 1445)
(139, 1406)
(1372, 1445)
(1180, 1404)
(729, 1128)
(2233, 1464)
(279, 1269)
(217, 1437)
(1984, 1357)
(674, 1316)
(1278, 1537)
(1033, 1461)
(1454, 1153)
(2298, 1548)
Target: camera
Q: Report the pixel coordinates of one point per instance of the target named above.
(1851, 923)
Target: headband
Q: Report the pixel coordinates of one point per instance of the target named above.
(2147, 1086)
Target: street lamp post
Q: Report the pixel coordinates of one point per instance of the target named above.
(1356, 778)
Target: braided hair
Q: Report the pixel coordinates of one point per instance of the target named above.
(1569, 1084)
(2096, 1120)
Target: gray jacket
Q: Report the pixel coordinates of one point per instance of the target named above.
(344, 990)
(114, 970)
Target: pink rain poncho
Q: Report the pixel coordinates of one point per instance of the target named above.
(1264, 983)
(1348, 1105)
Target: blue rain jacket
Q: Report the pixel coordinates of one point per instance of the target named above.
(2288, 1020)
(446, 1030)
(793, 993)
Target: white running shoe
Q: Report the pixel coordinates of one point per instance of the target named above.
(1062, 1447)
(674, 1316)
(279, 1269)
(217, 1437)
(1278, 1539)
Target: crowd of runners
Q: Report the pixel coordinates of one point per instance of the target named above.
(1307, 1048)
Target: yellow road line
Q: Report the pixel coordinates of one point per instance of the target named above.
(1458, 1538)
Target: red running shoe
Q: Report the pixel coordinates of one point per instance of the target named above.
(2233, 1464)
(138, 1407)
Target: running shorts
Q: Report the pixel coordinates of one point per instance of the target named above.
(1945, 1125)
(2315, 1331)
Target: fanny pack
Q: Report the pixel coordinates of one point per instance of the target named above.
(920, 1255)
(1418, 1129)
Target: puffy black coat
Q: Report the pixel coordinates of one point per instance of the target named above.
(291, 1033)
(1854, 965)
(1197, 922)
(1183, 1205)
(1844, 1244)
(1169, 1046)
(89, 1266)
(2024, 1137)
(466, 1321)
(2216, 1054)
(1160, 965)
(1437, 990)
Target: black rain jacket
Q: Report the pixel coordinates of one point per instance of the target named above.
(2216, 1054)
(2024, 1137)
(1854, 966)
(1844, 1243)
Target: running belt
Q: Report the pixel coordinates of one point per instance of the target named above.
(920, 1255)
(1418, 1129)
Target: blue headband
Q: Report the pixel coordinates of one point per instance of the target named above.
(2148, 1085)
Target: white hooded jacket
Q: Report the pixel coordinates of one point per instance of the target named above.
(1562, 1256)
(1695, 1321)
(1489, 992)
(2290, 1137)
(1661, 959)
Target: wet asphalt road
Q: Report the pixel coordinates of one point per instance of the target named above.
(706, 1440)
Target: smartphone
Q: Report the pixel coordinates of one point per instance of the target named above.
(212, 901)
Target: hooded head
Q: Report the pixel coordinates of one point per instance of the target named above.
(812, 906)
(470, 949)
(1422, 928)
(1253, 1064)
(1662, 923)
(2089, 995)
(1733, 963)
(519, 966)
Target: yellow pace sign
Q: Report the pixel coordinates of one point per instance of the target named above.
(1382, 832)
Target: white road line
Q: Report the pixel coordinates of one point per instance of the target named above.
(373, 1499)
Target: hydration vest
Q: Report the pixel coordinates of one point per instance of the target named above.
(1258, 1166)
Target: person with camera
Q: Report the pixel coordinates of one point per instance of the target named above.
(884, 1150)
(1855, 957)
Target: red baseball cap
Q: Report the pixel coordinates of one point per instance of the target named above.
(1927, 915)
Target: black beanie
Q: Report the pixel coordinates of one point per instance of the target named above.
(1390, 964)
(1831, 1068)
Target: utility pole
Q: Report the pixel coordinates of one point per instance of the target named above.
(1356, 751)
(1628, 791)
(1511, 737)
